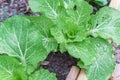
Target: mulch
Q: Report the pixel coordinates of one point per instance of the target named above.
(10, 8)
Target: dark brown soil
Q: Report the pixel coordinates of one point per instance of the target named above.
(10, 8)
(60, 64)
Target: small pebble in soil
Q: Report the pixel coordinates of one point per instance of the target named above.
(60, 64)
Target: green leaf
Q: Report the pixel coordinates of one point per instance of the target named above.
(44, 25)
(106, 24)
(58, 34)
(79, 11)
(84, 50)
(22, 40)
(101, 2)
(104, 64)
(71, 26)
(11, 69)
(82, 65)
(42, 74)
(63, 47)
(48, 7)
(68, 32)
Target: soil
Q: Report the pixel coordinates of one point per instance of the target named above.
(58, 63)
(117, 54)
(10, 8)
